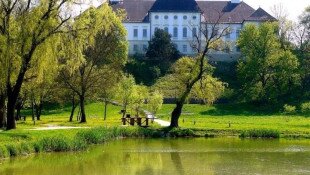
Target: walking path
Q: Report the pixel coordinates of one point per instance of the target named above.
(159, 121)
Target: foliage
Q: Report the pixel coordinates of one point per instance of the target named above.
(124, 91)
(94, 54)
(161, 47)
(29, 36)
(289, 109)
(138, 98)
(260, 133)
(155, 101)
(267, 72)
(208, 89)
(305, 107)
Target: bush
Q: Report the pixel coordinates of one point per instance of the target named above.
(56, 143)
(26, 148)
(260, 133)
(178, 132)
(37, 146)
(288, 109)
(13, 149)
(92, 136)
(305, 107)
(3, 152)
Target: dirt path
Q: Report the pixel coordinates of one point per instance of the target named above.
(159, 121)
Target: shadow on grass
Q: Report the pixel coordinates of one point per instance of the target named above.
(241, 110)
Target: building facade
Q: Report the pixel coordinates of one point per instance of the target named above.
(185, 21)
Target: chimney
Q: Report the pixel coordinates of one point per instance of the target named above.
(235, 1)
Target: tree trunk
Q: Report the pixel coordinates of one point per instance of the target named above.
(2, 110)
(72, 109)
(19, 106)
(38, 108)
(105, 109)
(82, 106)
(175, 115)
(11, 123)
(32, 110)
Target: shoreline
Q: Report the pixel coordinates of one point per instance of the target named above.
(82, 138)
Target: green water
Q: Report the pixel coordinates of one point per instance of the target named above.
(171, 156)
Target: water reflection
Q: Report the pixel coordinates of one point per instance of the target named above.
(174, 156)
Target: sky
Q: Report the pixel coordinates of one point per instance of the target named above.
(294, 8)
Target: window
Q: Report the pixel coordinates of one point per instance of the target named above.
(175, 32)
(227, 35)
(176, 46)
(194, 17)
(144, 33)
(184, 32)
(184, 48)
(166, 17)
(175, 17)
(156, 16)
(184, 17)
(194, 31)
(135, 32)
(166, 29)
(135, 48)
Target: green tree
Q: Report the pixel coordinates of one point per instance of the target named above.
(95, 50)
(161, 47)
(28, 30)
(208, 89)
(155, 101)
(124, 91)
(138, 97)
(302, 36)
(161, 53)
(267, 71)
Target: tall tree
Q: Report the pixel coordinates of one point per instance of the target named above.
(302, 38)
(26, 27)
(96, 49)
(124, 92)
(267, 72)
(211, 38)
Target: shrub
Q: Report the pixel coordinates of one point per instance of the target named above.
(3, 152)
(56, 143)
(13, 149)
(260, 133)
(288, 109)
(305, 107)
(92, 136)
(37, 146)
(26, 148)
(178, 132)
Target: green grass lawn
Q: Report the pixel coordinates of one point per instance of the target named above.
(59, 116)
(235, 118)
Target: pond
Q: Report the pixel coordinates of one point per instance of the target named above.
(171, 156)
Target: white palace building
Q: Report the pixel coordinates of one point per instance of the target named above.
(184, 19)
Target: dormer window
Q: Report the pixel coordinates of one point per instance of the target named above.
(194, 17)
(166, 17)
(156, 16)
(184, 17)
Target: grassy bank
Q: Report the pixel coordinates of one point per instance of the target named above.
(196, 120)
(238, 118)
